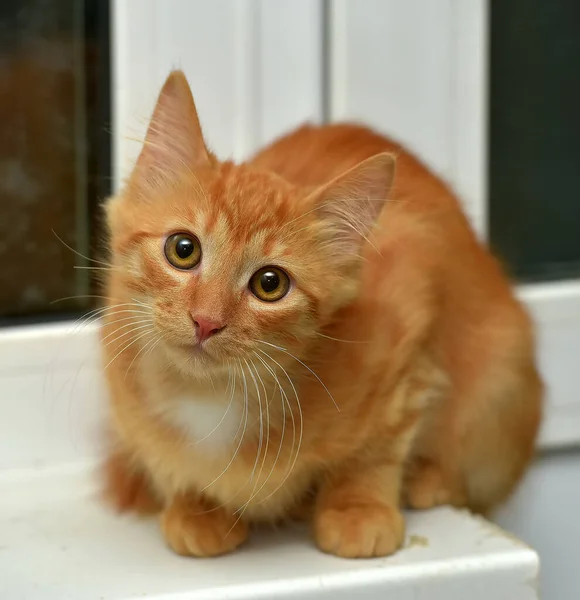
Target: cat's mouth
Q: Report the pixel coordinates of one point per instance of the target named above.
(207, 353)
(197, 351)
(194, 348)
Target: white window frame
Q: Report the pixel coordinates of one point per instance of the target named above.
(273, 79)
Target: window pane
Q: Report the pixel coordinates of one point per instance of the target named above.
(534, 137)
(54, 149)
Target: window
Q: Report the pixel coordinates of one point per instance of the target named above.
(534, 174)
(54, 152)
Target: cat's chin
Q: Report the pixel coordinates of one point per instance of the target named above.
(192, 353)
(193, 360)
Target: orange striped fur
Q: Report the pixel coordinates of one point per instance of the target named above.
(398, 370)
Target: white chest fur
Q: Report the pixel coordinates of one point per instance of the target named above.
(210, 423)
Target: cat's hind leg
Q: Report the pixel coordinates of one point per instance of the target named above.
(481, 446)
(127, 487)
(427, 486)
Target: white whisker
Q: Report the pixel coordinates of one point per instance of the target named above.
(126, 347)
(328, 337)
(293, 463)
(254, 493)
(98, 262)
(261, 421)
(284, 400)
(83, 297)
(144, 347)
(243, 432)
(306, 367)
(134, 320)
(134, 327)
(242, 509)
(95, 314)
(92, 268)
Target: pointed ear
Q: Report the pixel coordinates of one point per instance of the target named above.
(350, 204)
(174, 141)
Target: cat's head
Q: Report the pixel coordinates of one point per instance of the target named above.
(226, 258)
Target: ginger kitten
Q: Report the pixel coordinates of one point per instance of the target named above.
(314, 327)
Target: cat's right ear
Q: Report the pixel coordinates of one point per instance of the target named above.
(174, 142)
(350, 205)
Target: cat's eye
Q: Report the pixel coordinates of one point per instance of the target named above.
(183, 250)
(269, 284)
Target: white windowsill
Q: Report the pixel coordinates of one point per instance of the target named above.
(66, 546)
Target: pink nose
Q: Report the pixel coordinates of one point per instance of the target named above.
(205, 328)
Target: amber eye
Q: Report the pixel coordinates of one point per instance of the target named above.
(269, 284)
(183, 250)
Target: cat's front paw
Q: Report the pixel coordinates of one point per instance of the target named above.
(193, 529)
(359, 531)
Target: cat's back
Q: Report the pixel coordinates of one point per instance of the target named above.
(312, 155)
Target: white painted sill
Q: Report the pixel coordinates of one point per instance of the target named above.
(57, 542)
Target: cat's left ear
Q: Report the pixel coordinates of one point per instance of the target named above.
(350, 204)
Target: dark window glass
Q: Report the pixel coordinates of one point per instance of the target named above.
(534, 213)
(54, 150)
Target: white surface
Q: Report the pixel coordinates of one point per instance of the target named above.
(544, 513)
(51, 396)
(253, 65)
(556, 310)
(291, 80)
(416, 70)
(68, 547)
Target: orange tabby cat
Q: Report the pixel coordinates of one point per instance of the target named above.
(309, 328)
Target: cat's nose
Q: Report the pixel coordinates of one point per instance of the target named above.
(205, 328)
